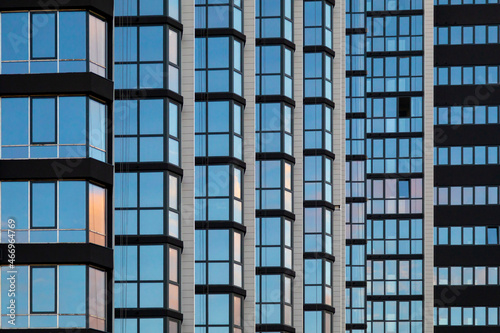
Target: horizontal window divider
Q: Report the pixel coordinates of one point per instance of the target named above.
(133, 94)
(356, 73)
(274, 328)
(355, 241)
(89, 84)
(350, 284)
(394, 53)
(466, 215)
(274, 271)
(468, 295)
(466, 55)
(356, 158)
(126, 21)
(274, 156)
(217, 160)
(470, 94)
(147, 313)
(209, 289)
(466, 15)
(274, 213)
(220, 32)
(147, 239)
(378, 13)
(214, 225)
(319, 100)
(319, 48)
(355, 31)
(395, 216)
(148, 166)
(319, 255)
(479, 175)
(458, 135)
(395, 135)
(206, 97)
(318, 203)
(58, 168)
(355, 326)
(274, 99)
(356, 199)
(395, 298)
(60, 254)
(396, 94)
(394, 175)
(477, 255)
(394, 256)
(319, 307)
(275, 41)
(316, 152)
(102, 7)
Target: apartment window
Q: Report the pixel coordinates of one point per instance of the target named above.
(395, 33)
(145, 273)
(459, 276)
(457, 115)
(147, 130)
(218, 64)
(355, 220)
(148, 7)
(218, 193)
(394, 277)
(318, 281)
(355, 53)
(318, 174)
(355, 263)
(273, 125)
(218, 259)
(355, 93)
(144, 325)
(355, 136)
(355, 179)
(466, 195)
(43, 290)
(318, 224)
(141, 61)
(393, 74)
(274, 71)
(394, 114)
(273, 300)
(394, 155)
(318, 127)
(147, 203)
(457, 35)
(355, 14)
(466, 316)
(318, 23)
(318, 321)
(273, 242)
(218, 129)
(318, 73)
(355, 305)
(382, 5)
(393, 236)
(477, 155)
(274, 19)
(53, 127)
(219, 312)
(394, 196)
(478, 235)
(388, 316)
(274, 185)
(219, 14)
(465, 75)
(53, 42)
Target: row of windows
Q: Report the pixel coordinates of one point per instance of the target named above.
(144, 325)
(394, 277)
(274, 69)
(147, 203)
(274, 19)
(219, 14)
(393, 74)
(461, 316)
(394, 196)
(218, 193)
(458, 115)
(218, 64)
(65, 296)
(460, 75)
(273, 182)
(466, 195)
(394, 33)
(466, 236)
(53, 42)
(145, 273)
(458, 276)
(457, 35)
(273, 126)
(318, 23)
(394, 155)
(383, 5)
(218, 313)
(318, 126)
(318, 224)
(318, 286)
(394, 114)
(50, 212)
(464, 2)
(355, 305)
(51, 127)
(147, 131)
(147, 7)
(394, 236)
(318, 75)
(273, 242)
(273, 299)
(218, 129)
(147, 57)
(478, 155)
(218, 258)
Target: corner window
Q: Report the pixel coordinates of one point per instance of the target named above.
(273, 125)
(274, 185)
(274, 71)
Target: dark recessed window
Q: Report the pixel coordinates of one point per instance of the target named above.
(404, 107)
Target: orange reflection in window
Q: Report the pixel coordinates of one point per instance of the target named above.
(97, 215)
(97, 299)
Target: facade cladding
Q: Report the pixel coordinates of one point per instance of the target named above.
(217, 166)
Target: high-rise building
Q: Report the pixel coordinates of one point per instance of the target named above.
(217, 166)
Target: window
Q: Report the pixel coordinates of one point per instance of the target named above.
(315, 31)
(43, 290)
(60, 211)
(144, 325)
(478, 235)
(478, 155)
(147, 130)
(394, 277)
(393, 236)
(318, 224)
(394, 155)
(457, 75)
(393, 74)
(274, 19)
(148, 7)
(219, 312)
(274, 185)
(273, 242)
(395, 33)
(318, 281)
(318, 72)
(457, 35)
(274, 71)
(218, 194)
(141, 61)
(389, 196)
(53, 127)
(211, 14)
(318, 174)
(218, 128)
(462, 195)
(273, 125)
(273, 300)
(214, 70)
(355, 136)
(407, 315)
(355, 220)
(56, 42)
(147, 203)
(318, 133)
(461, 316)
(392, 115)
(382, 5)
(355, 305)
